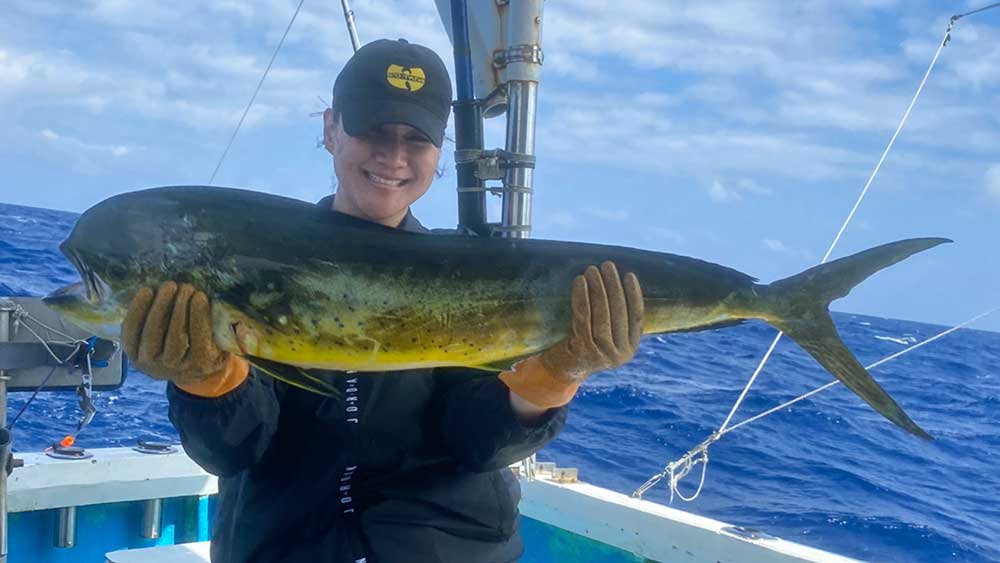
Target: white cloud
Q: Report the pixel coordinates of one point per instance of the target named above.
(72, 143)
(992, 181)
(775, 245)
(780, 247)
(560, 219)
(660, 234)
(608, 214)
(721, 194)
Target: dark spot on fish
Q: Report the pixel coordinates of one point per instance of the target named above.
(414, 339)
(336, 319)
(349, 308)
(340, 325)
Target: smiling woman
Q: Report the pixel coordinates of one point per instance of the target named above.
(436, 488)
(385, 129)
(381, 173)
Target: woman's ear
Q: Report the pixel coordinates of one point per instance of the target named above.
(329, 129)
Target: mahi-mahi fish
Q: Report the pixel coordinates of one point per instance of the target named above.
(294, 287)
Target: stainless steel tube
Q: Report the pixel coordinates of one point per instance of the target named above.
(66, 526)
(152, 518)
(516, 218)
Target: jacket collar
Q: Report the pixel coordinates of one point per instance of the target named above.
(410, 223)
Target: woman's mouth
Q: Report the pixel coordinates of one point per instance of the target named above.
(383, 181)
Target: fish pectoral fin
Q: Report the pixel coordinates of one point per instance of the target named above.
(294, 376)
(504, 364)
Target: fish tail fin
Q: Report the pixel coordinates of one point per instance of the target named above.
(295, 376)
(798, 307)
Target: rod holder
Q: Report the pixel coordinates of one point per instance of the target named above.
(66, 526)
(152, 518)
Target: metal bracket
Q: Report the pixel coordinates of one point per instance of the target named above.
(527, 53)
(493, 164)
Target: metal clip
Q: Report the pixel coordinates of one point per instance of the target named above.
(528, 53)
(493, 164)
(86, 388)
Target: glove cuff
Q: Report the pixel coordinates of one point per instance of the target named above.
(234, 372)
(538, 385)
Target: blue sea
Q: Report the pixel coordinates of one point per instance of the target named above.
(828, 472)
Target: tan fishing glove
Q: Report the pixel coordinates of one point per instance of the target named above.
(607, 324)
(169, 336)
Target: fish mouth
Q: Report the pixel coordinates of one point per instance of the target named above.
(68, 297)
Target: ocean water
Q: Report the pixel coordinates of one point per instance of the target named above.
(828, 472)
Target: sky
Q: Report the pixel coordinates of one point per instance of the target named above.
(739, 132)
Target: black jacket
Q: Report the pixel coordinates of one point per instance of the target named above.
(404, 466)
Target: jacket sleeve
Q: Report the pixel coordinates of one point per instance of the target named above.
(226, 434)
(480, 427)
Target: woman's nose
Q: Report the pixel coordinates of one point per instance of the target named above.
(393, 152)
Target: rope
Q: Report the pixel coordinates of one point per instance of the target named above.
(681, 467)
(254, 97)
(21, 314)
(40, 387)
(850, 216)
(976, 11)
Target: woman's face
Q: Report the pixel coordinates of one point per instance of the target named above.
(380, 174)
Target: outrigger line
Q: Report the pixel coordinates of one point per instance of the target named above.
(81, 358)
(679, 468)
(255, 92)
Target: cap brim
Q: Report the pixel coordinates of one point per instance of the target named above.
(361, 116)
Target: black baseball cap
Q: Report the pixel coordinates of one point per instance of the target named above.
(390, 81)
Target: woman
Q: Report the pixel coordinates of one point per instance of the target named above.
(407, 466)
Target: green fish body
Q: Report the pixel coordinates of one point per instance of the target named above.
(293, 284)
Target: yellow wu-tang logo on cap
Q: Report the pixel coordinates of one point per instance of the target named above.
(405, 78)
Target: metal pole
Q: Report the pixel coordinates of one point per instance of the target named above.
(66, 527)
(6, 308)
(522, 69)
(521, 103)
(468, 126)
(351, 29)
(152, 518)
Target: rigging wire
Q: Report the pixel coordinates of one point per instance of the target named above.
(679, 468)
(352, 30)
(254, 96)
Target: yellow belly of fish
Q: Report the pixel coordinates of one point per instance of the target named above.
(333, 344)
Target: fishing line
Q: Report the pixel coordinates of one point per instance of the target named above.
(44, 381)
(681, 467)
(677, 470)
(254, 97)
